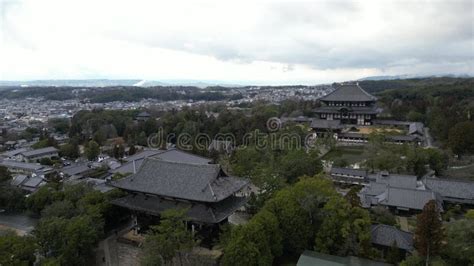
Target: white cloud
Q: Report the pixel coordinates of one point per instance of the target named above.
(275, 42)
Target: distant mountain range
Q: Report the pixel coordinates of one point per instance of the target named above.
(176, 82)
(114, 82)
(408, 76)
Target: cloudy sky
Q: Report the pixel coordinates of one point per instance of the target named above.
(274, 42)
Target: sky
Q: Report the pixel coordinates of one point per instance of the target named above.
(268, 42)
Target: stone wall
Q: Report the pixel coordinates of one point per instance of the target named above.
(129, 255)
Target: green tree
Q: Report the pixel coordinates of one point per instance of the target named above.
(460, 242)
(11, 198)
(437, 159)
(353, 198)
(168, 240)
(345, 230)
(118, 151)
(70, 240)
(46, 161)
(92, 150)
(298, 163)
(132, 150)
(394, 255)
(256, 243)
(5, 175)
(413, 260)
(60, 125)
(69, 150)
(64, 209)
(415, 116)
(382, 216)
(461, 137)
(17, 250)
(429, 231)
(46, 195)
(298, 209)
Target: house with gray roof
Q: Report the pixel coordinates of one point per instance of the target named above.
(406, 192)
(204, 190)
(13, 154)
(76, 170)
(35, 155)
(416, 128)
(451, 190)
(349, 175)
(16, 167)
(28, 183)
(398, 192)
(322, 126)
(383, 237)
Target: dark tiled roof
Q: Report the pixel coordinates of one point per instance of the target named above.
(21, 165)
(143, 114)
(174, 155)
(451, 188)
(350, 110)
(407, 198)
(39, 151)
(311, 258)
(18, 180)
(128, 167)
(374, 189)
(348, 171)
(326, 124)
(385, 235)
(299, 119)
(75, 169)
(197, 182)
(143, 154)
(415, 127)
(349, 93)
(395, 180)
(32, 182)
(199, 212)
(13, 152)
(167, 155)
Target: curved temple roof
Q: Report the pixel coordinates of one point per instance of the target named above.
(188, 181)
(348, 93)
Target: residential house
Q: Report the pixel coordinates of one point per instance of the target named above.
(384, 236)
(35, 155)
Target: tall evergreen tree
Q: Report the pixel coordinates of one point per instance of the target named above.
(429, 231)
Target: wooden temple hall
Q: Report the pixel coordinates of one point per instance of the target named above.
(349, 104)
(204, 190)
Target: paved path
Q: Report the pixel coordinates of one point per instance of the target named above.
(403, 221)
(107, 254)
(19, 223)
(429, 139)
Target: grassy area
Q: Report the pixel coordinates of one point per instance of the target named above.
(351, 154)
(461, 172)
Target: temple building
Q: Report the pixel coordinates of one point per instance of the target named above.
(349, 104)
(204, 190)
